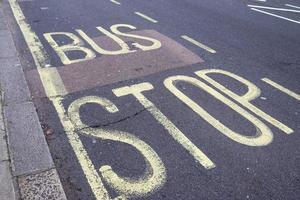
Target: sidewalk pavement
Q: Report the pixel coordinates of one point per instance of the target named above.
(27, 170)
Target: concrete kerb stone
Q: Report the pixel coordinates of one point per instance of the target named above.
(7, 190)
(27, 144)
(3, 144)
(13, 81)
(8, 186)
(28, 153)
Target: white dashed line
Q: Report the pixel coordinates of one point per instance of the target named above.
(272, 8)
(281, 88)
(278, 16)
(115, 2)
(146, 17)
(292, 6)
(191, 40)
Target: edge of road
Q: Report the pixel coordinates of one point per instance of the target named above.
(33, 173)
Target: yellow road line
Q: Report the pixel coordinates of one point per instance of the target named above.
(202, 46)
(54, 87)
(146, 17)
(38, 51)
(136, 90)
(281, 88)
(115, 2)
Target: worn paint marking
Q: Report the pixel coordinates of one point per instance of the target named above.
(263, 135)
(146, 17)
(272, 8)
(199, 44)
(292, 6)
(136, 91)
(115, 2)
(154, 175)
(252, 93)
(54, 87)
(281, 88)
(277, 16)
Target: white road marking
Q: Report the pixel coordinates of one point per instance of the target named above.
(292, 6)
(191, 40)
(278, 16)
(146, 17)
(272, 8)
(115, 2)
(281, 88)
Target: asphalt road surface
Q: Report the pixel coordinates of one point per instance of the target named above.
(166, 99)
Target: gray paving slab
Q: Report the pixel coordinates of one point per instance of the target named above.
(2, 25)
(2, 22)
(13, 82)
(28, 148)
(6, 43)
(44, 185)
(7, 191)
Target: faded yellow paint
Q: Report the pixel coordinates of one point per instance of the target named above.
(39, 54)
(53, 87)
(76, 45)
(155, 43)
(281, 88)
(262, 137)
(155, 174)
(124, 47)
(252, 93)
(85, 162)
(136, 91)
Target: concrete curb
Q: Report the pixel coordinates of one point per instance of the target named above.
(31, 162)
(8, 189)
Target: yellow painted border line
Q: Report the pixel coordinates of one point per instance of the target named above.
(55, 88)
(38, 52)
(202, 46)
(281, 88)
(115, 2)
(146, 17)
(49, 76)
